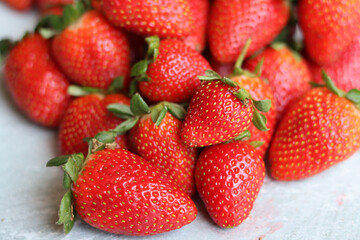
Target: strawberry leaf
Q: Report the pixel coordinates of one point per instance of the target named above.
(256, 144)
(159, 116)
(5, 47)
(58, 161)
(210, 75)
(126, 126)
(353, 95)
(228, 82)
(117, 85)
(79, 91)
(314, 84)
(139, 68)
(106, 136)
(120, 110)
(66, 213)
(330, 84)
(138, 106)
(242, 94)
(67, 181)
(153, 47)
(176, 110)
(73, 165)
(259, 121)
(262, 105)
(245, 134)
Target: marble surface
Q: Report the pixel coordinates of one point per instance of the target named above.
(325, 206)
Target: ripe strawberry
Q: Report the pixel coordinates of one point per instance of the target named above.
(221, 108)
(228, 178)
(345, 71)
(52, 11)
(224, 69)
(259, 89)
(47, 4)
(170, 71)
(92, 52)
(286, 72)
(232, 22)
(85, 117)
(119, 192)
(328, 27)
(318, 131)
(34, 81)
(164, 18)
(161, 145)
(19, 5)
(197, 38)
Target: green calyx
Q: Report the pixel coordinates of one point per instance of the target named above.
(352, 95)
(138, 71)
(159, 111)
(259, 120)
(72, 166)
(79, 91)
(5, 47)
(52, 25)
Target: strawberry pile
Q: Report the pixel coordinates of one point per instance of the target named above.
(146, 121)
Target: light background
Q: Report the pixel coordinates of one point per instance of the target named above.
(326, 206)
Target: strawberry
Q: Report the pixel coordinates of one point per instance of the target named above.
(224, 69)
(52, 11)
(345, 71)
(119, 192)
(232, 22)
(328, 27)
(164, 18)
(158, 141)
(85, 117)
(19, 5)
(47, 4)
(170, 71)
(36, 84)
(228, 178)
(221, 109)
(90, 51)
(286, 72)
(318, 131)
(197, 38)
(155, 136)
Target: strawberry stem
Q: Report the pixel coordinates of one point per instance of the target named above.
(237, 68)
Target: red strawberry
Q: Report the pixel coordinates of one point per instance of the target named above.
(286, 72)
(224, 69)
(228, 179)
(258, 89)
(328, 27)
(34, 81)
(172, 76)
(232, 22)
(161, 145)
(164, 18)
(119, 192)
(197, 38)
(85, 117)
(20, 5)
(318, 131)
(221, 109)
(52, 11)
(92, 52)
(345, 71)
(46, 4)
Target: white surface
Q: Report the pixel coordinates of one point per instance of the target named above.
(323, 207)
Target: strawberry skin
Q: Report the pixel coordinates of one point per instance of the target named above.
(164, 18)
(92, 52)
(345, 71)
(19, 5)
(328, 27)
(87, 116)
(318, 131)
(197, 38)
(161, 145)
(287, 75)
(260, 90)
(121, 193)
(214, 116)
(35, 83)
(173, 75)
(232, 22)
(228, 179)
